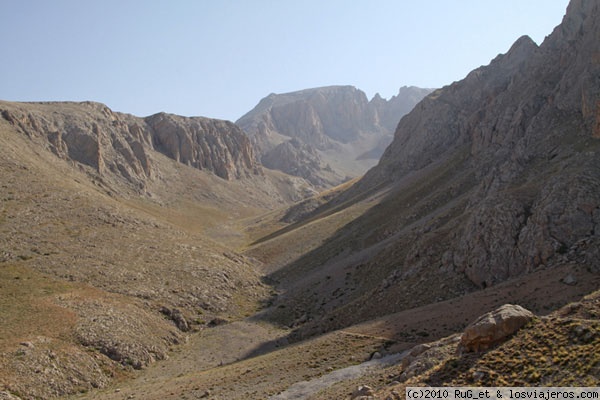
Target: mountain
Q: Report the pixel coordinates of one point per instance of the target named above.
(121, 149)
(328, 134)
(488, 179)
(118, 239)
(129, 241)
(112, 143)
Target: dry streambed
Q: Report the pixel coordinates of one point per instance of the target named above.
(243, 360)
(305, 389)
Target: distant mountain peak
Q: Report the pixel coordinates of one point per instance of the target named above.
(342, 131)
(119, 145)
(515, 131)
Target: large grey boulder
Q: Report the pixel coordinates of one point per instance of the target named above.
(494, 327)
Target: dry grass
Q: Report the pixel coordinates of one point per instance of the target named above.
(253, 378)
(27, 307)
(82, 254)
(561, 349)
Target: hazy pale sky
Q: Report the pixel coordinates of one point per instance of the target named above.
(218, 58)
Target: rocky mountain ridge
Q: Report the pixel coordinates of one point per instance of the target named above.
(120, 145)
(337, 128)
(124, 237)
(535, 194)
(487, 179)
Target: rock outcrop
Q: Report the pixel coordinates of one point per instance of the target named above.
(363, 392)
(522, 135)
(203, 143)
(121, 145)
(325, 134)
(493, 328)
(300, 159)
(87, 133)
(488, 179)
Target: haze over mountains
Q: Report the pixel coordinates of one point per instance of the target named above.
(155, 257)
(328, 134)
(487, 179)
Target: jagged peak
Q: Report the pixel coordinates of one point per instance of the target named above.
(520, 51)
(577, 13)
(579, 16)
(524, 43)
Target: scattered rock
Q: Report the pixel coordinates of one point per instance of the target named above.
(569, 280)
(363, 392)
(395, 395)
(217, 321)
(178, 318)
(8, 396)
(419, 349)
(478, 375)
(494, 327)
(413, 354)
(583, 334)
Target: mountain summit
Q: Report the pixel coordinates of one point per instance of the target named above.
(123, 238)
(488, 179)
(328, 134)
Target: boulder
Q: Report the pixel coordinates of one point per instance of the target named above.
(177, 317)
(569, 280)
(494, 327)
(363, 392)
(7, 396)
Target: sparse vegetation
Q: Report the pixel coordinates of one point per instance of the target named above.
(138, 261)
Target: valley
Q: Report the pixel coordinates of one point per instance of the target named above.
(161, 257)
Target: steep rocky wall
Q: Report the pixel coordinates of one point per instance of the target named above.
(488, 179)
(89, 134)
(331, 123)
(121, 145)
(529, 121)
(203, 143)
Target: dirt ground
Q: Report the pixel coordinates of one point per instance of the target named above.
(251, 359)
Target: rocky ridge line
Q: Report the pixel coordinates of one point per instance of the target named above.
(306, 133)
(121, 145)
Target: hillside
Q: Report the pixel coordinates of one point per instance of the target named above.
(488, 179)
(156, 258)
(327, 134)
(559, 350)
(118, 236)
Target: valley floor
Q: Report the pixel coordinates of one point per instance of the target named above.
(112, 295)
(251, 359)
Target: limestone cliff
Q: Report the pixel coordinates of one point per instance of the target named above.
(490, 178)
(121, 145)
(341, 131)
(203, 143)
(529, 122)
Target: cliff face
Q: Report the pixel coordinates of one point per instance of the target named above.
(121, 145)
(341, 131)
(87, 133)
(490, 178)
(529, 122)
(203, 143)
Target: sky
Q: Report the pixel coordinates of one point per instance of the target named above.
(218, 58)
